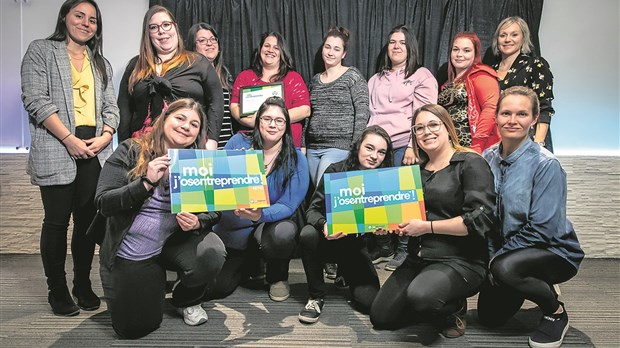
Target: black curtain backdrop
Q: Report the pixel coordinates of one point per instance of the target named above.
(303, 23)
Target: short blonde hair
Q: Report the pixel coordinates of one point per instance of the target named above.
(526, 47)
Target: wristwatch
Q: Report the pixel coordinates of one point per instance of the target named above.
(541, 143)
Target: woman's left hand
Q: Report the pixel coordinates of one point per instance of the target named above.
(413, 228)
(188, 221)
(409, 157)
(97, 144)
(253, 214)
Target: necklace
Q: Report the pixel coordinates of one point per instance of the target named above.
(272, 159)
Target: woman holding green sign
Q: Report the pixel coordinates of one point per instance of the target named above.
(246, 230)
(143, 238)
(372, 149)
(448, 253)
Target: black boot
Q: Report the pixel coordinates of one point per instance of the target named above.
(86, 298)
(62, 302)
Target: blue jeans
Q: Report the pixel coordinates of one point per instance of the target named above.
(320, 159)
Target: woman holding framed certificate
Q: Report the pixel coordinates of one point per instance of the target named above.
(244, 231)
(448, 252)
(272, 64)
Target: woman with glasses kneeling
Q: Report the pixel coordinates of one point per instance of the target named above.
(270, 228)
(372, 149)
(537, 246)
(143, 238)
(448, 252)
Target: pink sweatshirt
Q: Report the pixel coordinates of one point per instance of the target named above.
(394, 99)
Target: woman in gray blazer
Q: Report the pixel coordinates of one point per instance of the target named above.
(68, 93)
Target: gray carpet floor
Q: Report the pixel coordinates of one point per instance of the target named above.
(249, 318)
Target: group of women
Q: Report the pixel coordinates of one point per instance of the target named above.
(173, 97)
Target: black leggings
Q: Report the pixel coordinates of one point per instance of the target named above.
(59, 203)
(434, 290)
(276, 241)
(353, 261)
(518, 275)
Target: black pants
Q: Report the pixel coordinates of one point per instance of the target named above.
(135, 290)
(518, 275)
(353, 261)
(59, 203)
(275, 241)
(420, 290)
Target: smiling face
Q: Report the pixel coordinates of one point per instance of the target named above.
(397, 50)
(207, 44)
(372, 151)
(81, 22)
(510, 39)
(462, 54)
(270, 52)
(514, 118)
(164, 41)
(333, 51)
(181, 128)
(434, 135)
(272, 125)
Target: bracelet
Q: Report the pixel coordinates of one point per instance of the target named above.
(146, 180)
(66, 136)
(108, 131)
(432, 230)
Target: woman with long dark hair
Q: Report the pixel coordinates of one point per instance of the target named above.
(372, 149)
(203, 38)
(68, 93)
(272, 62)
(400, 87)
(269, 229)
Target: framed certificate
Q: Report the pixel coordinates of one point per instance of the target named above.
(251, 97)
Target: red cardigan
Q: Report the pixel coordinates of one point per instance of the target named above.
(482, 96)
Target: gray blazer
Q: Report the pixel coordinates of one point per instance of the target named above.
(47, 89)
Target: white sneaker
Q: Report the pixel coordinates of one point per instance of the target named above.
(194, 315)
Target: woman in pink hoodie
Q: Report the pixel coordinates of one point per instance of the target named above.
(470, 95)
(400, 87)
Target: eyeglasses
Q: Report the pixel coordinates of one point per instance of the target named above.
(266, 120)
(165, 26)
(433, 126)
(203, 42)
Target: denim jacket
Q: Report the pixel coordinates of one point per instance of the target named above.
(531, 202)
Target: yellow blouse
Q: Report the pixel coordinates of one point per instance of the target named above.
(84, 94)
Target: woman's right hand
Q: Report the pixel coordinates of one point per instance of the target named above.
(77, 148)
(157, 168)
(332, 236)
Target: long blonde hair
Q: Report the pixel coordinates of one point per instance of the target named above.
(446, 119)
(148, 59)
(153, 145)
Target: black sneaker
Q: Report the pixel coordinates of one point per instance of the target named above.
(381, 255)
(551, 330)
(311, 312)
(330, 270)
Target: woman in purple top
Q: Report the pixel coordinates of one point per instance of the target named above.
(400, 87)
(143, 238)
